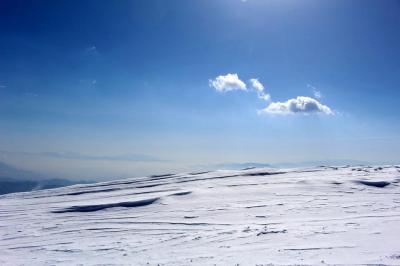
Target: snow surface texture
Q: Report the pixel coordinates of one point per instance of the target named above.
(322, 215)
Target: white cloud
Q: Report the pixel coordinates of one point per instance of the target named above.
(257, 85)
(264, 96)
(226, 83)
(92, 50)
(299, 105)
(316, 92)
(31, 94)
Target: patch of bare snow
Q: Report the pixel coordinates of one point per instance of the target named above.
(320, 215)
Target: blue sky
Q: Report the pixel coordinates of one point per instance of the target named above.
(95, 89)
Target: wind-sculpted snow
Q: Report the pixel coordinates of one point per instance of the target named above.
(99, 207)
(374, 183)
(322, 215)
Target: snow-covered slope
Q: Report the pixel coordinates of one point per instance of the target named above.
(256, 216)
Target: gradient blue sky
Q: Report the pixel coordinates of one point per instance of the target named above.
(94, 89)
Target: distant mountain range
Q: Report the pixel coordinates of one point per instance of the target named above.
(238, 166)
(13, 180)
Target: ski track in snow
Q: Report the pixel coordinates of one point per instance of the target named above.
(322, 215)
